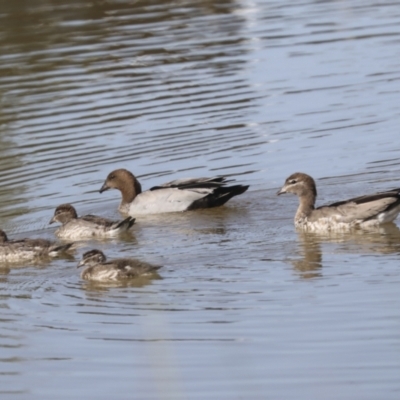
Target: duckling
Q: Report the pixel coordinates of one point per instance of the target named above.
(28, 249)
(174, 196)
(87, 226)
(100, 270)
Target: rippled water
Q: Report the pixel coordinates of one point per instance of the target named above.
(245, 307)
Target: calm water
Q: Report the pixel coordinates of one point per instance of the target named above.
(246, 307)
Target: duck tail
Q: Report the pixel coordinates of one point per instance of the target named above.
(56, 249)
(125, 224)
(226, 193)
(219, 196)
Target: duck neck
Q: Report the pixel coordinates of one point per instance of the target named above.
(306, 206)
(130, 191)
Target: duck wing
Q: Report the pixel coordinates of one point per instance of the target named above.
(193, 183)
(133, 267)
(362, 208)
(98, 220)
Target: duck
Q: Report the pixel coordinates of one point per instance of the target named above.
(29, 249)
(89, 226)
(100, 270)
(363, 212)
(175, 196)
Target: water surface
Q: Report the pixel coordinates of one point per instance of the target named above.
(245, 307)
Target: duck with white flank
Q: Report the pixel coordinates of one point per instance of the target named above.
(89, 226)
(365, 211)
(28, 249)
(178, 195)
(100, 270)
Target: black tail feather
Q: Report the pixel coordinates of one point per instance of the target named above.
(126, 223)
(218, 197)
(202, 183)
(55, 249)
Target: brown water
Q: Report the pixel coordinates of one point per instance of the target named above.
(245, 306)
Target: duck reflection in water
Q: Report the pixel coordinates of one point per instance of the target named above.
(310, 263)
(384, 239)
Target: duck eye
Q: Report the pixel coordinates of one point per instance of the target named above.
(111, 177)
(292, 181)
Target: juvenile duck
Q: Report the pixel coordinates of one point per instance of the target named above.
(100, 270)
(28, 249)
(74, 227)
(178, 195)
(364, 211)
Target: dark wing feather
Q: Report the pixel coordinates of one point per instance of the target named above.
(218, 197)
(369, 198)
(126, 223)
(132, 268)
(98, 220)
(194, 183)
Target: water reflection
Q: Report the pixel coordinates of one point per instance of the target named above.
(165, 74)
(384, 239)
(11, 341)
(12, 187)
(194, 88)
(4, 270)
(309, 264)
(103, 287)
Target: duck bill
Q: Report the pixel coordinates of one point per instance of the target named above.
(281, 191)
(80, 264)
(104, 187)
(52, 220)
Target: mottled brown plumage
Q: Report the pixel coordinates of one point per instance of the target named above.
(28, 249)
(100, 270)
(363, 211)
(87, 226)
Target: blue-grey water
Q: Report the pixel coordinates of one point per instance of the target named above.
(245, 307)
